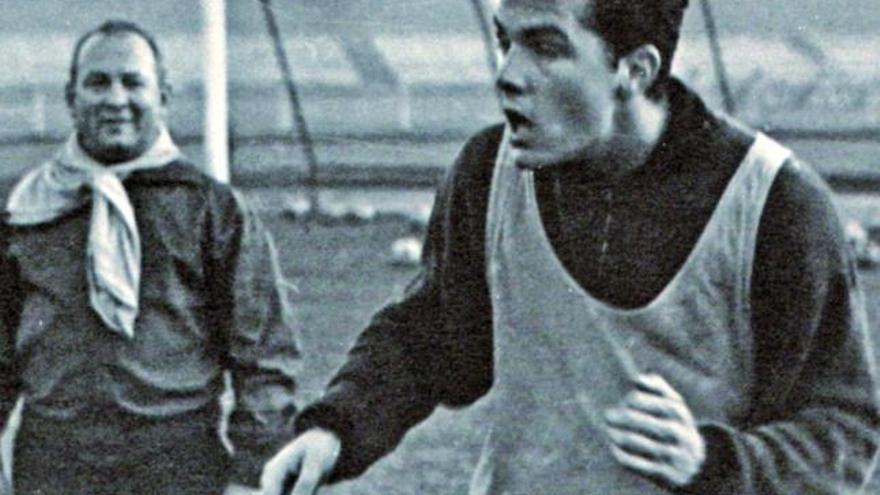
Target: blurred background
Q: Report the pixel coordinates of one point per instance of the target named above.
(389, 91)
(403, 83)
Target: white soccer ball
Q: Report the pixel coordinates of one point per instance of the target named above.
(364, 213)
(406, 251)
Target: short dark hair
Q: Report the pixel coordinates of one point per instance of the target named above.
(111, 27)
(625, 25)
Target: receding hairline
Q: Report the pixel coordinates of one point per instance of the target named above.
(112, 28)
(97, 37)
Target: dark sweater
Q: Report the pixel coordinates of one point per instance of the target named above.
(815, 416)
(211, 298)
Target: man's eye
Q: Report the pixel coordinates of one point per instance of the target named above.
(95, 81)
(133, 82)
(549, 48)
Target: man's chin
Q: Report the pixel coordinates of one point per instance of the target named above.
(111, 153)
(532, 159)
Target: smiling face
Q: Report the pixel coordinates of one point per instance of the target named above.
(556, 82)
(117, 102)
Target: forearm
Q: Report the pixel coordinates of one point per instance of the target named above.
(262, 356)
(369, 421)
(260, 338)
(821, 436)
(262, 363)
(817, 452)
(813, 425)
(415, 355)
(383, 389)
(817, 425)
(434, 346)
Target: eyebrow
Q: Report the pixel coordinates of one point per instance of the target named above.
(120, 72)
(532, 31)
(542, 30)
(125, 75)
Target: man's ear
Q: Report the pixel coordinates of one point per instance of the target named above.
(638, 70)
(166, 91)
(69, 93)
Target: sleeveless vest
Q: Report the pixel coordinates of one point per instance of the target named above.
(563, 357)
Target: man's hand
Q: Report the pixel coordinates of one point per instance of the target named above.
(653, 432)
(309, 458)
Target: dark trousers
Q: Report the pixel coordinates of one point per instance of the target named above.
(118, 454)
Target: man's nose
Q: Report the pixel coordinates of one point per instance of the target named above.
(116, 94)
(512, 79)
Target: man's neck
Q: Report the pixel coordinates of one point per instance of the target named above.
(641, 123)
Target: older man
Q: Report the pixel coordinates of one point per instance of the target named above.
(661, 300)
(128, 282)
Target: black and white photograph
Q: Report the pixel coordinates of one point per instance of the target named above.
(463, 247)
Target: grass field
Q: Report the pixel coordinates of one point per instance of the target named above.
(343, 276)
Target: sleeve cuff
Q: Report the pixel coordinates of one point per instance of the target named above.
(328, 418)
(716, 474)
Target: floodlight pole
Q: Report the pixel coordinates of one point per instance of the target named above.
(215, 86)
(717, 61)
(298, 117)
(486, 33)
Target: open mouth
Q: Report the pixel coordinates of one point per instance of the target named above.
(516, 120)
(115, 125)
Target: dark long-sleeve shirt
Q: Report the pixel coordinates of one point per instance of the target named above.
(211, 298)
(815, 418)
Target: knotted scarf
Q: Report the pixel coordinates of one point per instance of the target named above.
(113, 252)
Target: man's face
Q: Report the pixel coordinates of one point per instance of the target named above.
(557, 86)
(117, 103)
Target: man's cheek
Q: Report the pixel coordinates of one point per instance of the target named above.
(582, 97)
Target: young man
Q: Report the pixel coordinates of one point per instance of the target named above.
(661, 300)
(128, 282)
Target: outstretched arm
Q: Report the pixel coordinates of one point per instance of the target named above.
(432, 347)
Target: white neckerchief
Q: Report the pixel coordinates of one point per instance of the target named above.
(113, 255)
